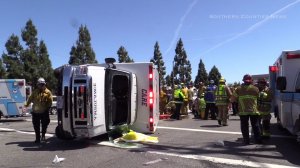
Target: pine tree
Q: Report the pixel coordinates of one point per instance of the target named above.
(202, 75)
(82, 53)
(29, 56)
(2, 70)
(214, 74)
(182, 67)
(35, 58)
(123, 55)
(45, 67)
(158, 61)
(12, 59)
(168, 80)
(188, 71)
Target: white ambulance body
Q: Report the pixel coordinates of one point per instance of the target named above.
(93, 99)
(285, 83)
(13, 95)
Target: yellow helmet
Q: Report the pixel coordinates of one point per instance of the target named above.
(222, 80)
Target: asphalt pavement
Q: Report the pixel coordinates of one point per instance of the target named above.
(182, 143)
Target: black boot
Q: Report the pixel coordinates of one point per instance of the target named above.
(37, 138)
(43, 139)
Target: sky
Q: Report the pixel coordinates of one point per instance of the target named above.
(238, 37)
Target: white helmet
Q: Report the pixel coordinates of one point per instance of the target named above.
(41, 81)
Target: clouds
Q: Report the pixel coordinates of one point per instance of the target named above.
(179, 27)
(252, 27)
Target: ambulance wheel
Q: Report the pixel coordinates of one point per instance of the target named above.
(61, 134)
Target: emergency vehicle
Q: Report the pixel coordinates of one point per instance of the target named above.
(13, 95)
(285, 84)
(94, 99)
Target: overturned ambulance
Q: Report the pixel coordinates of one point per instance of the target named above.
(94, 99)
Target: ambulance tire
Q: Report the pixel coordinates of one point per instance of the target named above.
(61, 134)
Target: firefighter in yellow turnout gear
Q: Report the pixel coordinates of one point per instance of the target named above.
(264, 106)
(223, 95)
(246, 95)
(184, 107)
(42, 101)
(178, 99)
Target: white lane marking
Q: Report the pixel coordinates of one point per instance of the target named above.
(223, 160)
(53, 121)
(154, 161)
(214, 131)
(22, 132)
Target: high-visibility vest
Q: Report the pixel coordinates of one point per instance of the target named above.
(221, 95)
(178, 95)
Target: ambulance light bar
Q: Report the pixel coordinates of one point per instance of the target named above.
(292, 56)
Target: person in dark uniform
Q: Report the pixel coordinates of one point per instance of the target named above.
(42, 101)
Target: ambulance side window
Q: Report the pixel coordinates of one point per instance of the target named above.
(297, 85)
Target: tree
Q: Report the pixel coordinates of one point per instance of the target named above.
(45, 67)
(158, 61)
(30, 63)
(182, 67)
(12, 59)
(214, 74)
(168, 80)
(234, 85)
(201, 75)
(82, 53)
(123, 55)
(29, 56)
(2, 70)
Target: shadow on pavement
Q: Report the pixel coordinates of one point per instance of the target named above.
(52, 144)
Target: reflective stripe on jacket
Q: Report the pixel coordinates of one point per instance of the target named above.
(222, 95)
(209, 95)
(246, 96)
(264, 101)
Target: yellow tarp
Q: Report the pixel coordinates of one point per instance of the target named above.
(132, 136)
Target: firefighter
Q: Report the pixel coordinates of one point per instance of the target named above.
(223, 95)
(163, 100)
(201, 89)
(210, 100)
(264, 106)
(190, 96)
(234, 105)
(42, 101)
(184, 107)
(178, 99)
(246, 95)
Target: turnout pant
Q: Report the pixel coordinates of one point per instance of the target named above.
(223, 114)
(210, 107)
(254, 119)
(176, 115)
(37, 119)
(265, 127)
